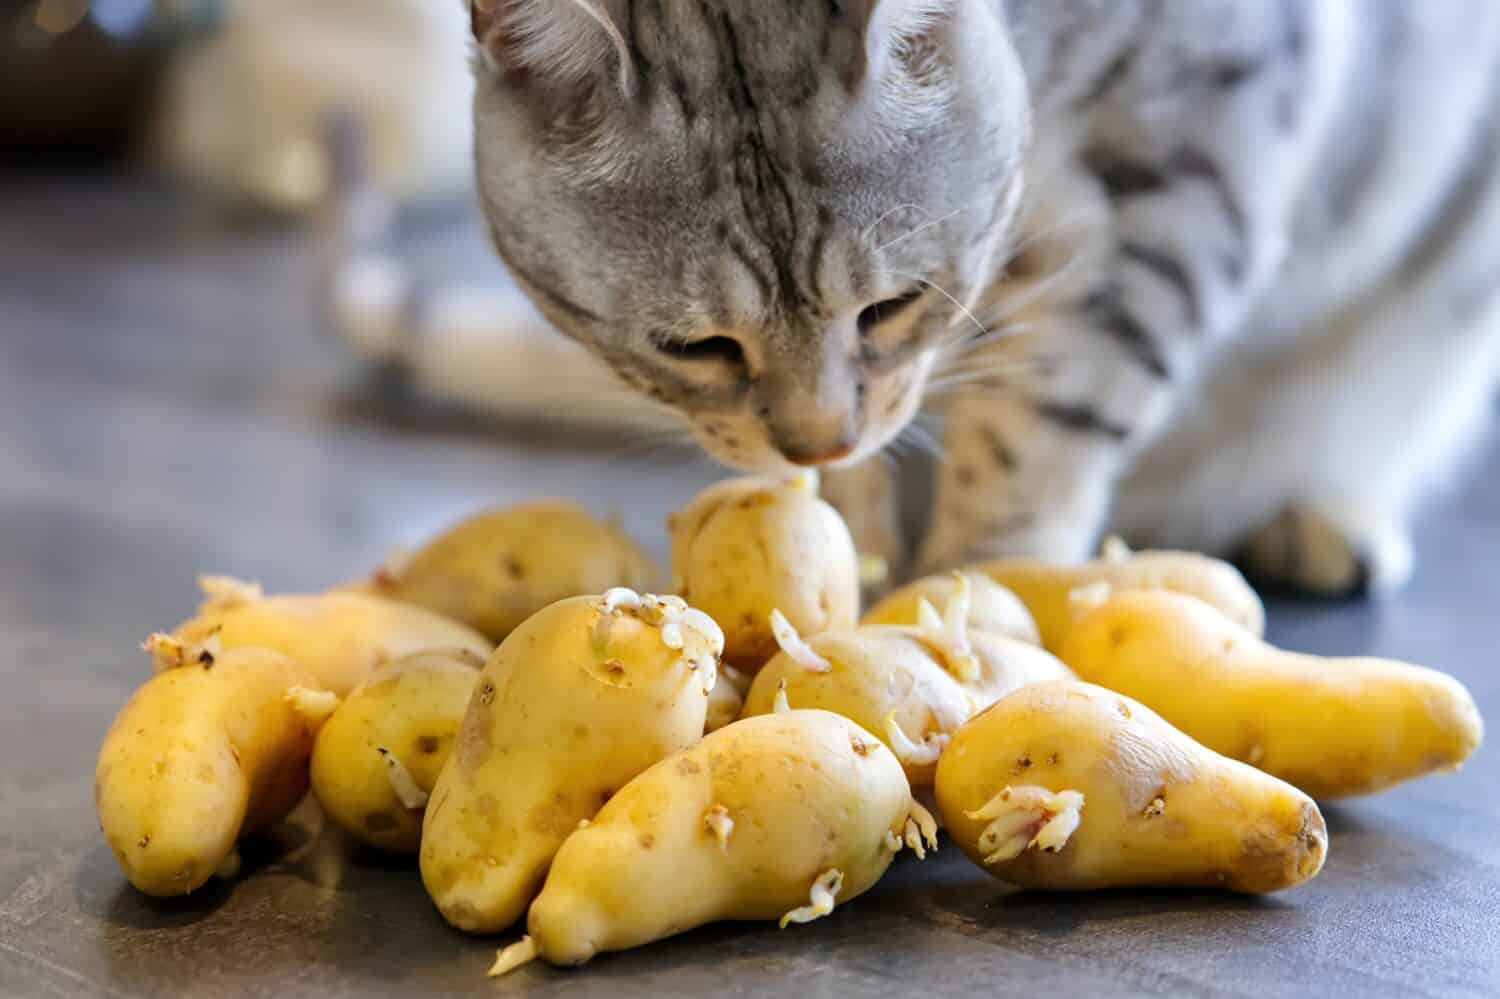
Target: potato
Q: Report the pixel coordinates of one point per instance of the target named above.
(1069, 786)
(378, 757)
(341, 637)
(1333, 727)
(992, 608)
(748, 547)
(912, 688)
(779, 817)
(198, 757)
(496, 569)
(577, 701)
(1047, 589)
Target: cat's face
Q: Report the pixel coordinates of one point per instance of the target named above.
(768, 215)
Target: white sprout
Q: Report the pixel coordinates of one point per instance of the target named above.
(910, 753)
(1155, 809)
(1024, 818)
(718, 822)
(1115, 549)
(807, 482)
(518, 954)
(226, 591)
(928, 618)
(798, 650)
(395, 566)
(893, 842)
(1090, 597)
(620, 597)
(171, 652)
(781, 705)
(920, 830)
(315, 706)
(824, 891)
(410, 794)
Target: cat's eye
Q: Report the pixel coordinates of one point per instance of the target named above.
(723, 349)
(884, 312)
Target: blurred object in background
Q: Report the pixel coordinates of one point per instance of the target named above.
(243, 112)
(78, 78)
(234, 95)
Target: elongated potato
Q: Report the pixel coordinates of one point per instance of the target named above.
(911, 687)
(1333, 727)
(577, 701)
(198, 757)
(779, 817)
(496, 569)
(379, 755)
(991, 608)
(1069, 786)
(340, 637)
(750, 546)
(1048, 589)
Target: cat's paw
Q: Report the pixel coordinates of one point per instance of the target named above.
(1331, 550)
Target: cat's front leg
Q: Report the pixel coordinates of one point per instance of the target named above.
(1186, 197)
(867, 496)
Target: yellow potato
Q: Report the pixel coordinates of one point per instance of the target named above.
(912, 688)
(341, 637)
(779, 817)
(992, 608)
(379, 755)
(1333, 727)
(198, 757)
(748, 547)
(1069, 786)
(496, 569)
(577, 701)
(1048, 589)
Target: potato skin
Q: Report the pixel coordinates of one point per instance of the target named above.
(1333, 727)
(1158, 808)
(412, 709)
(341, 637)
(575, 703)
(497, 568)
(1047, 589)
(196, 758)
(882, 669)
(992, 609)
(747, 547)
(649, 867)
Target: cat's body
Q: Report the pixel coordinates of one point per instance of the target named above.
(1237, 261)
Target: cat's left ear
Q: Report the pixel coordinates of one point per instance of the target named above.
(889, 26)
(562, 41)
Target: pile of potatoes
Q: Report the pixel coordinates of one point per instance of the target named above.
(626, 766)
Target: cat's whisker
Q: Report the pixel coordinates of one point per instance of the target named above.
(870, 229)
(963, 309)
(918, 230)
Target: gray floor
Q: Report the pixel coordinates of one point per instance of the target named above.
(164, 411)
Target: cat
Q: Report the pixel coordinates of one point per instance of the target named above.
(243, 105)
(1214, 274)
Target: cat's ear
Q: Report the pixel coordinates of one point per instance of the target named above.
(565, 42)
(890, 26)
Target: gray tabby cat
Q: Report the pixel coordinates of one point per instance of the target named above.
(1220, 272)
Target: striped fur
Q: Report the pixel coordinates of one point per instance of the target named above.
(1253, 245)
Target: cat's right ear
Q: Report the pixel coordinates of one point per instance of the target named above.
(889, 26)
(560, 42)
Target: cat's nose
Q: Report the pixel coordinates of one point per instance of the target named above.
(811, 458)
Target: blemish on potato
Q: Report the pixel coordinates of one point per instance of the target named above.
(688, 767)
(144, 841)
(486, 693)
(514, 569)
(429, 744)
(647, 841)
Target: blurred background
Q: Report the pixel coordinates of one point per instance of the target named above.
(166, 363)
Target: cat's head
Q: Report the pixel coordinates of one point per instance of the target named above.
(768, 214)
